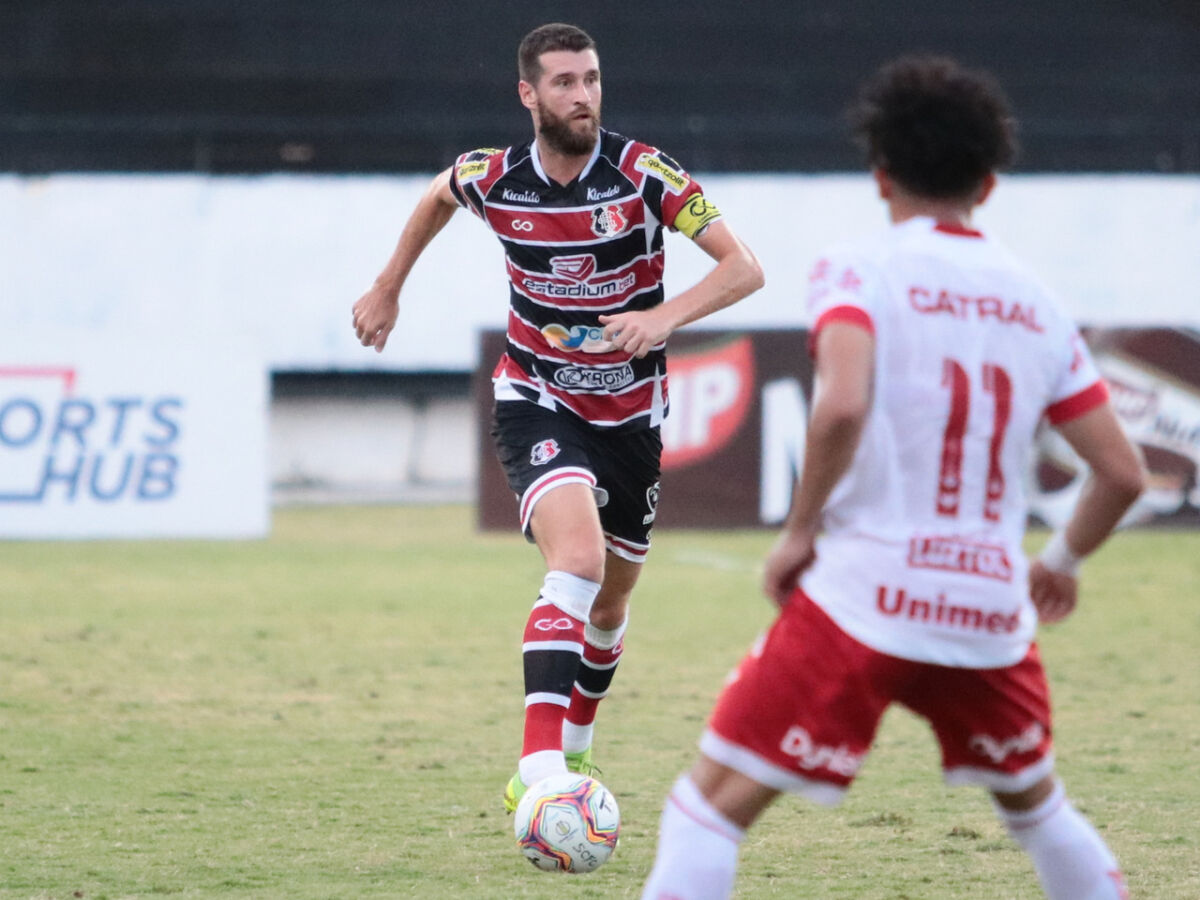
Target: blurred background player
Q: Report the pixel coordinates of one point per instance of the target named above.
(581, 389)
(937, 354)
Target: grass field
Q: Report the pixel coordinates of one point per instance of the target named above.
(333, 712)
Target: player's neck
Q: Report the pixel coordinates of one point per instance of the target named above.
(901, 210)
(561, 167)
(904, 204)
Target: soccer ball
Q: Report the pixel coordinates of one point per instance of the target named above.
(567, 823)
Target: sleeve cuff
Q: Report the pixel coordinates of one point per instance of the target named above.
(1077, 404)
(851, 315)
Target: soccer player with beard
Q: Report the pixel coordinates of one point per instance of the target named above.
(937, 355)
(581, 388)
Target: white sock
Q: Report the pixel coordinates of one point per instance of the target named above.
(576, 738)
(1071, 859)
(697, 849)
(542, 764)
(570, 593)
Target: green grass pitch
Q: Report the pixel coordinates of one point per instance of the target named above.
(333, 713)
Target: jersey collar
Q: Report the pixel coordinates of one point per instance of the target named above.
(535, 157)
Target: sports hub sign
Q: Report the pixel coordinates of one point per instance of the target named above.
(111, 437)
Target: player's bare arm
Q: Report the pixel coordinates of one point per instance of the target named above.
(841, 402)
(1117, 478)
(375, 312)
(736, 275)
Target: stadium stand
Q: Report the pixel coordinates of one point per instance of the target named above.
(228, 86)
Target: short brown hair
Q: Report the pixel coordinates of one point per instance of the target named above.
(936, 128)
(547, 39)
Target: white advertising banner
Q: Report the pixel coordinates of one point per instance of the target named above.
(106, 435)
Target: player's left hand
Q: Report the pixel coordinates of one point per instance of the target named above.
(635, 333)
(1054, 594)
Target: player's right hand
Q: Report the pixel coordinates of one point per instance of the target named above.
(374, 317)
(792, 554)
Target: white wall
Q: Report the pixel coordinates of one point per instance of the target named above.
(372, 449)
(282, 258)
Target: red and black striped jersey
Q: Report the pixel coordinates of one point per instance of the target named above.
(575, 252)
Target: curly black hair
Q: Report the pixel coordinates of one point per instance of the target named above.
(936, 128)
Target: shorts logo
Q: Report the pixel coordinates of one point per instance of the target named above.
(997, 751)
(543, 451)
(654, 166)
(652, 493)
(798, 743)
(608, 221)
(589, 379)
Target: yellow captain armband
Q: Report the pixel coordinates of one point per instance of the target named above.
(697, 214)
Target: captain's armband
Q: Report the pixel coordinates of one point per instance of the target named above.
(697, 214)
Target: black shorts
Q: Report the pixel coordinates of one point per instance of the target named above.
(541, 449)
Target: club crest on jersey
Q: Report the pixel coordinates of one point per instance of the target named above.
(543, 451)
(608, 221)
(577, 268)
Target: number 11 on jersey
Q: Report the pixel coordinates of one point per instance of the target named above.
(996, 382)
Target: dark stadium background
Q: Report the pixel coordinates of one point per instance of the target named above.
(224, 87)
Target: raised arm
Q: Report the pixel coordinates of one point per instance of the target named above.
(375, 311)
(1117, 478)
(737, 274)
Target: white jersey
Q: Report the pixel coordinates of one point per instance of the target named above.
(921, 555)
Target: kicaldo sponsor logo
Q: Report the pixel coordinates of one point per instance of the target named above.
(810, 756)
(710, 392)
(520, 196)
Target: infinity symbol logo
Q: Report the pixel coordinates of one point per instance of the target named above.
(563, 624)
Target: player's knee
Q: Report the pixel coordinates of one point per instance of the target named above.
(581, 557)
(609, 612)
(1031, 797)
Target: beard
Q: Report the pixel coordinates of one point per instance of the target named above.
(561, 137)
